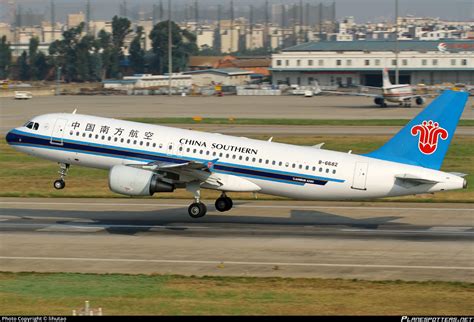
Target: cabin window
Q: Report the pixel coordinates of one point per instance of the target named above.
(90, 136)
(83, 135)
(233, 156)
(301, 166)
(293, 165)
(227, 155)
(128, 141)
(267, 161)
(333, 171)
(121, 140)
(214, 154)
(240, 157)
(161, 146)
(97, 136)
(327, 170)
(134, 142)
(207, 152)
(220, 155)
(247, 158)
(260, 161)
(71, 133)
(320, 169)
(141, 142)
(307, 167)
(314, 168)
(188, 149)
(116, 139)
(280, 163)
(180, 149)
(273, 162)
(154, 145)
(201, 152)
(253, 159)
(110, 138)
(287, 164)
(77, 133)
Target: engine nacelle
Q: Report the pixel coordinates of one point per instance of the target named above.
(136, 182)
(420, 100)
(378, 101)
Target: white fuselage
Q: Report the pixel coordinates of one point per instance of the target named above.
(397, 93)
(278, 169)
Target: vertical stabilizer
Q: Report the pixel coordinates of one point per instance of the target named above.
(386, 78)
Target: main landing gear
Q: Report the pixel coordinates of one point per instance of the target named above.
(198, 209)
(60, 183)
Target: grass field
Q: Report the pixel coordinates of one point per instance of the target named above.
(25, 176)
(252, 121)
(60, 293)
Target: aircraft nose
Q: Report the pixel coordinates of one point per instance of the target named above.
(11, 137)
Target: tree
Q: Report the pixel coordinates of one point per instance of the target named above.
(120, 29)
(105, 49)
(137, 54)
(5, 57)
(64, 52)
(41, 66)
(24, 67)
(33, 53)
(184, 45)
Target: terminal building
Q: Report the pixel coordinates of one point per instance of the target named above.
(347, 63)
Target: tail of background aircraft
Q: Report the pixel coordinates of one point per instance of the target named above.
(386, 78)
(424, 141)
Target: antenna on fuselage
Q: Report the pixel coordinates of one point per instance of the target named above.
(270, 139)
(75, 110)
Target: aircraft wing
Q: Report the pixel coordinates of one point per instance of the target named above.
(352, 94)
(202, 172)
(174, 167)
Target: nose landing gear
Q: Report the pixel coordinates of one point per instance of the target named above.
(61, 183)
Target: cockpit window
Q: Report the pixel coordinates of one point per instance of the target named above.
(29, 125)
(32, 125)
(36, 126)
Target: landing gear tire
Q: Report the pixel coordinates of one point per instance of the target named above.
(224, 204)
(59, 184)
(197, 210)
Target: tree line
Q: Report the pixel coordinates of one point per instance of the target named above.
(82, 57)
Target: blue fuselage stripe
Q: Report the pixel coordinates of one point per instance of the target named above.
(27, 139)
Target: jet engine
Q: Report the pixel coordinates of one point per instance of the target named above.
(136, 182)
(378, 101)
(420, 100)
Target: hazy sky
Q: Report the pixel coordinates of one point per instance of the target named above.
(362, 10)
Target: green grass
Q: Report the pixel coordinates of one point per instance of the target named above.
(119, 294)
(25, 176)
(251, 121)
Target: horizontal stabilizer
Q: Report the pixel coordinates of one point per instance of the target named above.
(410, 178)
(459, 174)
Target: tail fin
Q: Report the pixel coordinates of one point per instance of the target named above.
(386, 78)
(424, 141)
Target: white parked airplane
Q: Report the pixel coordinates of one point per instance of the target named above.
(402, 94)
(143, 159)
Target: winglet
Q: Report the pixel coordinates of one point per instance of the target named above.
(211, 163)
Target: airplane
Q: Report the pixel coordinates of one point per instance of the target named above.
(144, 159)
(402, 94)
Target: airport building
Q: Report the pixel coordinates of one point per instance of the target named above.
(347, 63)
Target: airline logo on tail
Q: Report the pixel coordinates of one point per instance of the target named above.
(429, 133)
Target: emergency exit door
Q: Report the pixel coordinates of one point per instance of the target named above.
(58, 132)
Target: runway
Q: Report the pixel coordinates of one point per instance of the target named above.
(375, 241)
(16, 112)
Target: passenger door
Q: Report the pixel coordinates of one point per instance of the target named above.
(360, 176)
(58, 132)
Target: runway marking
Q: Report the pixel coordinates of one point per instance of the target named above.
(446, 230)
(450, 229)
(216, 262)
(101, 226)
(236, 206)
(70, 228)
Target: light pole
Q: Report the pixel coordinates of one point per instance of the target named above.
(58, 80)
(170, 44)
(396, 43)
